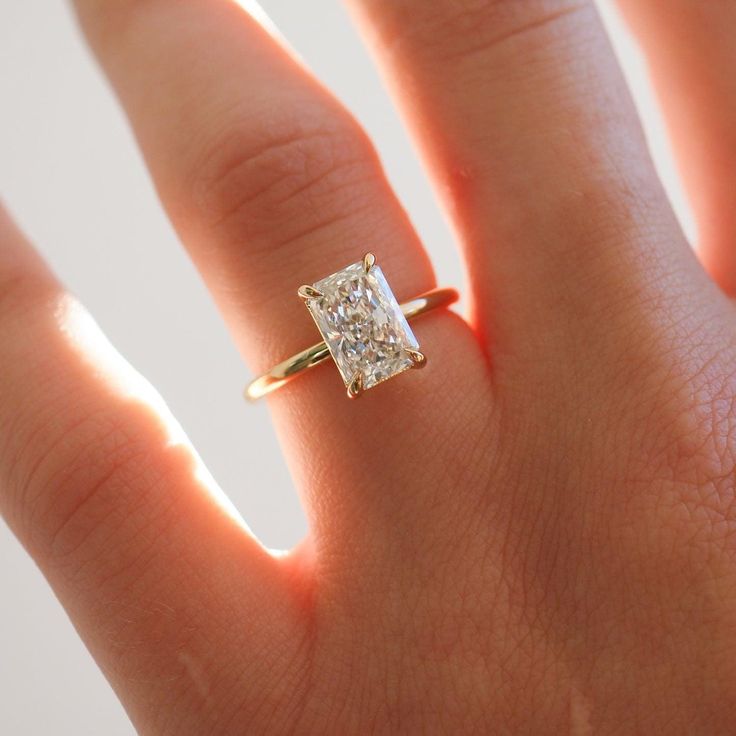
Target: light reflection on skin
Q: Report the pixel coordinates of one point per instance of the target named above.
(89, 342)
(258, 14)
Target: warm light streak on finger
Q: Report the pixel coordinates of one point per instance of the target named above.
(108, 366)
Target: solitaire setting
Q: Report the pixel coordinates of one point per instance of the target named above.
(362, 325)
(365, 330)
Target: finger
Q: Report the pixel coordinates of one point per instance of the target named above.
(691, 50)
(97, 482)
(269, 180)
(530, 133)
(272, 184)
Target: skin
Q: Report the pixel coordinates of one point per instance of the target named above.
(550, 548)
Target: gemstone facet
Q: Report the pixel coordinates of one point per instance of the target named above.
(362, 324)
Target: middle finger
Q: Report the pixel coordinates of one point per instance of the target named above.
(271, 185)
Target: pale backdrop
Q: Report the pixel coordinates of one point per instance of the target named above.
(70, 172)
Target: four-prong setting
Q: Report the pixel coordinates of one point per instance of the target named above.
(355, 387)
(369, 260)
(362, 325)
(418, 358)
(309, 292)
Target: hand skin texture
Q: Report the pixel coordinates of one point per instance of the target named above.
(551, 547)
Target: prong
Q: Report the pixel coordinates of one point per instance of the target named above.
(418, 359)
(355, 388)
(369, 261)
(309, 292)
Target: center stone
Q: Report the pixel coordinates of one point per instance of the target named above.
(362, 324)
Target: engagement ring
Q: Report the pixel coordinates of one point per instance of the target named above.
(363, 327)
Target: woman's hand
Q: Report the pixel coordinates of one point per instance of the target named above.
(537, 534)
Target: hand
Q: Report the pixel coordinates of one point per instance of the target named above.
(536, 534)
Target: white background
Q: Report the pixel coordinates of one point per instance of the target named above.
(70, 173)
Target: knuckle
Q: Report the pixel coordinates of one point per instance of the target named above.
(711, 450)
(458, 28)
(273, 184)
(693, 448)
(93, 489)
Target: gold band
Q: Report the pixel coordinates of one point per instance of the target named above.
(290, 368)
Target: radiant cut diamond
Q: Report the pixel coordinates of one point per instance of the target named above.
(363, 325)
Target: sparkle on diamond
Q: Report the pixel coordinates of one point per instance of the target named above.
(362, 324)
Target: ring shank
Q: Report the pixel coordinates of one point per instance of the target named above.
(296, 364)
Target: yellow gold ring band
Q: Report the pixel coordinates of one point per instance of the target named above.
(292, 367)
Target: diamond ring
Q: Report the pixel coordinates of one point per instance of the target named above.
(363, 327)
